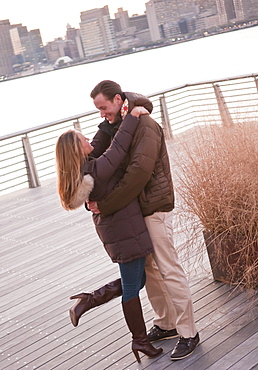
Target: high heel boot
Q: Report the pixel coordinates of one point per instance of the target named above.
(86, 301)
(134, 318)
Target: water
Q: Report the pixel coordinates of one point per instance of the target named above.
(43, 98)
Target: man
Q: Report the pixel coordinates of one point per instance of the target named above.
(146, 174)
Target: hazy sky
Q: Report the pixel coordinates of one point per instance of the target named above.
(52, 16)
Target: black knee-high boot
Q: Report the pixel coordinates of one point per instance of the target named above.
(134, 318)
(86, 301)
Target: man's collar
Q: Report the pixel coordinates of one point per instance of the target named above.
(109, 128)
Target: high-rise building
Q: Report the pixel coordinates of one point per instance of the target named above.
(153, 21)
(164, 16)
(37, 46)
(131, 32)
(28, 47)
(21, 45)
(6, 49)
(74, 36)
(230, 11)
(97, 33)
(123, 17)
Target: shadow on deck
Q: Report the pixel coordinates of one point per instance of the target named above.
(48, 254)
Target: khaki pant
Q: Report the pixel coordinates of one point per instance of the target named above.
(166, 285)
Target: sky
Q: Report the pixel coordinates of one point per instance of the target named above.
(52, 16)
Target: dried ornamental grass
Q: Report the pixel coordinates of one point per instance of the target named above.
(218, 182)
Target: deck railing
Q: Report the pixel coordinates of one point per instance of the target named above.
(28, 157)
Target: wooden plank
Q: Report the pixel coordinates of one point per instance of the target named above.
(48, 254)
(163, 361)
(229, 341)
(109, 340)
(215, 334)
(240, 357)
(248, 362)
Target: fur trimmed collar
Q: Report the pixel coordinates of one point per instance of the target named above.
(83, 192)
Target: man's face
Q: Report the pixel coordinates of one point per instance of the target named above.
(110, 110)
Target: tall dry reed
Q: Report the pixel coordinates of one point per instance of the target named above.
(217, 182)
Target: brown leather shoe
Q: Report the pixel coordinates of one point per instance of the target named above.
(156, 334)
(184, 347)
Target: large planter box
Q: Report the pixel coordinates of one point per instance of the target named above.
(228, 262)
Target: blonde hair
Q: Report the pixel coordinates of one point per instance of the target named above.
(69, 162)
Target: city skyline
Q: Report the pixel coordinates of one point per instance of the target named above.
(52, 17)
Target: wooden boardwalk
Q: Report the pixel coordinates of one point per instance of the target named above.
(48, 254)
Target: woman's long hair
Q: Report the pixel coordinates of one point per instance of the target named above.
(69, 163)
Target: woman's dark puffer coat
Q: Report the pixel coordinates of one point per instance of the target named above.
(124, 234)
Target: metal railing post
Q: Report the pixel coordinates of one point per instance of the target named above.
(256, 83)
(77, 126)
(165, 118)
(223, 109)
(32, 173)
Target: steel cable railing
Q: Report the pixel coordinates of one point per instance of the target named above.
(28, 156)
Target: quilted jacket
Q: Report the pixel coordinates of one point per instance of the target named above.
(124, 233)
(145, 172)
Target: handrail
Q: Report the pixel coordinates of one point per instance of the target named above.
(163, 92)
(203, 83)
(24, 159)
(50, 124)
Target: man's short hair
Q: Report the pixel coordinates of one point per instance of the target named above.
(109, 89)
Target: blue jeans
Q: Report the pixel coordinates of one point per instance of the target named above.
(133, 278)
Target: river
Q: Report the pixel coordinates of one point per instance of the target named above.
(34, 100)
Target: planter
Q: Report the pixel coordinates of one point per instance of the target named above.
(228, 260)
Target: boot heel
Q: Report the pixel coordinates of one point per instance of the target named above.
(73, 317)
(136, 354)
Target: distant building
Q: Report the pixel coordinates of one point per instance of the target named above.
(131, 32)
(140, 22)
(58, 48)
(6, 49)
(186, 26)
(207, 19)
(123, 17)
(28, 47)
(76, 48)
(143, 37)
(97, 33)
(39, 54)
(187, 9)
(230, 11)
(250, 9)
(164, 17)
(154, 27)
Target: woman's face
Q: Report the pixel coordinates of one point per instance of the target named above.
(86, 147)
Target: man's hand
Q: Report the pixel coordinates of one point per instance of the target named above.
(93, 207)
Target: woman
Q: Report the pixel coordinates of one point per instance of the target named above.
(81, 177)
